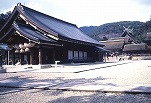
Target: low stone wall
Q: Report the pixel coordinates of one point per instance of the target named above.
(141, 57)
(128, 57)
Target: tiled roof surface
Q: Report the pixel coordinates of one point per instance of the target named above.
(60, 27)
(126, 39)
(113, 44)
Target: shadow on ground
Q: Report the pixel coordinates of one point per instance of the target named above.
(33, 82)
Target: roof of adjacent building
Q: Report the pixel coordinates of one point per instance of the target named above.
(124, 43)
(49, 25)
(126, 39)
(131, 36)
(136, 47)
(113, 44)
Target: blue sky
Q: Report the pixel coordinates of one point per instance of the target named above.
(87, 12)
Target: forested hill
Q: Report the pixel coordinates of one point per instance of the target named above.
(112, 30)
(88, 29)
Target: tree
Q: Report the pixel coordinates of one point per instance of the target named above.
(4, 17)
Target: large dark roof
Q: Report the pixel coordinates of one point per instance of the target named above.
(55, 26)
(32, 34)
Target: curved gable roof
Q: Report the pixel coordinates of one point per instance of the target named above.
(56, 26)
(63, 30)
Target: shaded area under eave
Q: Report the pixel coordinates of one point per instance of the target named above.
(102, 49)
(32, 34)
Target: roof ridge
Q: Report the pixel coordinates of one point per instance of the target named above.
(48, 15)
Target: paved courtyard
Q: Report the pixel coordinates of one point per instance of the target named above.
(113, 78)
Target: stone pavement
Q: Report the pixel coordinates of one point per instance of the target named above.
(124, 76)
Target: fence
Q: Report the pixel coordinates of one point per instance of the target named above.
(127, 57)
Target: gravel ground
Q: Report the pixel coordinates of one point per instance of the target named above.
(133, 76)
(16, 95)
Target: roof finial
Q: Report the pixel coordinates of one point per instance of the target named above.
(18, 4)
(127, 29)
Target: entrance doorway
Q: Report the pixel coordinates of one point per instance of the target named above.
(47, 56)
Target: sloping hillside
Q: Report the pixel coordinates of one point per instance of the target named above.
(111, 30)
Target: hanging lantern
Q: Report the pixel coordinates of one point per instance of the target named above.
(22, 51)
(26, 45)
(21, 46)
(17, 51)
(27, 50)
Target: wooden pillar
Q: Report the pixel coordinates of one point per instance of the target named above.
(28, 58)
(13, 57)
(40, 55)
(21, 58)
(7, 57)
(0, 58)
(31, 57)
(53, 54)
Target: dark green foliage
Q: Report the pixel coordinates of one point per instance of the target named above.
(112, 30)
(141, 31)
(87, 29)
(4, 17)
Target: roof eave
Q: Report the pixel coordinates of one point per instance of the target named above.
(79, 42)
